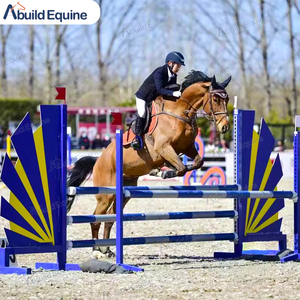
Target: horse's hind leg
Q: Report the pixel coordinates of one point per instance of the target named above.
(108, 225)
(103, 204)
(107, 229)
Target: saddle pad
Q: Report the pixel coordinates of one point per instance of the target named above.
(128, 135)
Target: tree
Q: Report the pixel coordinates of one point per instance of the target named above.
(264, 50)
(104, 58)
(4, 34)
(292, 59)
(31, 64)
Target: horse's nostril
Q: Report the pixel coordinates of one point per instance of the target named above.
(224, 129)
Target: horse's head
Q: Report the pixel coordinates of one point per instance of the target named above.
(201, 90)
(215, 104)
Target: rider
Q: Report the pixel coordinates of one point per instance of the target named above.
(154, 86)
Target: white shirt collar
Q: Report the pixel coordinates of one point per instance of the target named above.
(169, 74)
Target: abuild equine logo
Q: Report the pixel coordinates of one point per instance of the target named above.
(50, 14)
(9, 9)
(54, 12)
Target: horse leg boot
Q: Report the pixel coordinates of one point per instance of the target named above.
(107, 229)
(169, 154)
(193, 154)
(103, 204)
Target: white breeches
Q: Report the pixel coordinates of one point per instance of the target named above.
(141, 107)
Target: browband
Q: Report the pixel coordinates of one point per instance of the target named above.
(221, 93)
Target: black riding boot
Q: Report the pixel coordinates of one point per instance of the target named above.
(137, 143)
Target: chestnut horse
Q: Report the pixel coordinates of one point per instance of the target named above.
(175, 133)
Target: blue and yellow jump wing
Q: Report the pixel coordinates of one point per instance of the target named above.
(258, 173)
(34, 198)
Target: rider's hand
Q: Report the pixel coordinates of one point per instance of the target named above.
(177, 94)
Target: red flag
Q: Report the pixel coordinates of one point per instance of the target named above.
(61, 93)
(117, 118)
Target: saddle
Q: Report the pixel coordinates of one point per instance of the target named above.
(149, 127)
(151, 122)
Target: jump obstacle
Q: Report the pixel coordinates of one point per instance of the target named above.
(8, 151)
(37, 205)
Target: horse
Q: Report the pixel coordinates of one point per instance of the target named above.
(169, 139)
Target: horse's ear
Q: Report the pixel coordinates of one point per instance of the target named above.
(214, 83)
(225, 83)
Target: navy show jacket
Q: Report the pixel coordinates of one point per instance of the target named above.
(155, 84)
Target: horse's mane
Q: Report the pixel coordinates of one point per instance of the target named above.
(193, 77)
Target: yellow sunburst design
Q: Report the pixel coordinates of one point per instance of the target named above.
(46, 236)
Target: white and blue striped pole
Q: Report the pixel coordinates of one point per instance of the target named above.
(112, 190)
(79, 219)
(212, 194)
(155, 240)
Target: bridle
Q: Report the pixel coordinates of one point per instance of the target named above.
(211, 116)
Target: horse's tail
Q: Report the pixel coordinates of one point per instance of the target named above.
(82, 168)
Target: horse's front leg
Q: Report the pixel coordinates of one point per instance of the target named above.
(193, 154)
(169, 154)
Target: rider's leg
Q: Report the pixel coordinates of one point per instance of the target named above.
(140, 123)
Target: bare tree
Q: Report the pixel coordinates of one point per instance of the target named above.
(264, 49)
(4, 34)
(31, 63)
(48, 61)
(105, 59)
(241, 56)
(293, 63)
(229, 47)
(72, 66)
(59, 36)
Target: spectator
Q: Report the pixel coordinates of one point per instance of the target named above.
(106, 141)
(217, 146)
(209, 147)
(279, 147)
(224, 147)
(98, 142)
(84, 142)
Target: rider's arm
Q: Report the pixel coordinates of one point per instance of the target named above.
(158, 78)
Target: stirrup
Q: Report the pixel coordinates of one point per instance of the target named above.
(139, 146)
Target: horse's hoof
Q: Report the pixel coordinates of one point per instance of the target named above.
(154, 172)
(105, 252)
(98, 255)
(110, 254)
(168, 174)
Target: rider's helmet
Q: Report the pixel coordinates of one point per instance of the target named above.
(175, 57)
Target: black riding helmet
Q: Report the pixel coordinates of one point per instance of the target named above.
(175, 57)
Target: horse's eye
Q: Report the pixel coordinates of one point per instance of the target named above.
(215, 100)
